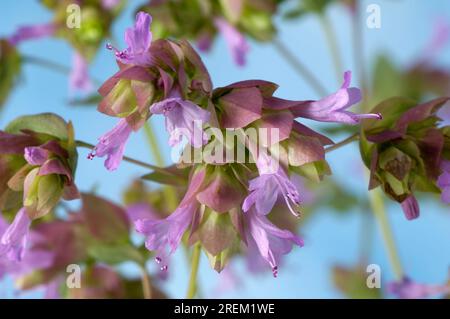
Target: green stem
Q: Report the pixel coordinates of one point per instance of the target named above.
(192, 288)
(358, 52)
(153, 142)
(126, 158)
(300, 68)
(378, 208)
(169, 192)
(340, 144)
(52, 66)
(146, 285)
(332, 43)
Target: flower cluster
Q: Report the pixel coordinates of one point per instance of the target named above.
(201, 22)
(225, 201)
(84, 29)
(37, 165)
(238, 186)
(99, 231)
(408, 151)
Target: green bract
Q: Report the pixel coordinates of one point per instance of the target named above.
(405, 149)
(38, 160)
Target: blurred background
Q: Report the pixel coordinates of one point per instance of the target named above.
(332, 238)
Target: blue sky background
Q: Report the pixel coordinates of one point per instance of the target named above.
(330, 238)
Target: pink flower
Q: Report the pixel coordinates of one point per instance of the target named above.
(411, 208)
(23, 260)
(265, 189)
(14, 238)
(408, 289)
(79, 76)
(183, 118)
(236, 42)
(333, 108)
(25, 33)
(112, 145)
(110, 4)
(139, 39)
(164, 236)
(270, 241)
(441, 35)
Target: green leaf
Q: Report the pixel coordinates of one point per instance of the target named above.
(106, 221)
(352, 283)
(391, 110)
(219, 261)
(90, 100)
(114, 254)
(217, 232)
(314, 171)
(10, 62)
(171, 175)
(387, 80)
(45, 123)
(232, 10)
(49, 193)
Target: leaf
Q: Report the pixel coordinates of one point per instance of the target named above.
(391, 109)
(219, 262)
(107, 222)
(90, 100)
(314, 171)
(232, 9)
(217, 233)
(114, 254)
(10, 62)
(171, 175)
(387, 80)
(45, 123)
(352, 283)
(49, 193)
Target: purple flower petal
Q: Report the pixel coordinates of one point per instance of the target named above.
(79, 77)
(14, 239)
(35, 155)
(236, 42)
(265, 189)
(55, 166)
(183, 118)
(24, 33)
(139, 211)
(411, 208)
(408, 289)
(270, 241)
(441, 36)
(110, 4)
(112, 145)
(139, 39)
(164, 236)
(333, 108)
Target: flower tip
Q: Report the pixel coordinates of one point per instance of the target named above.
(275, 271)
(347, 79)
(141, 15)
